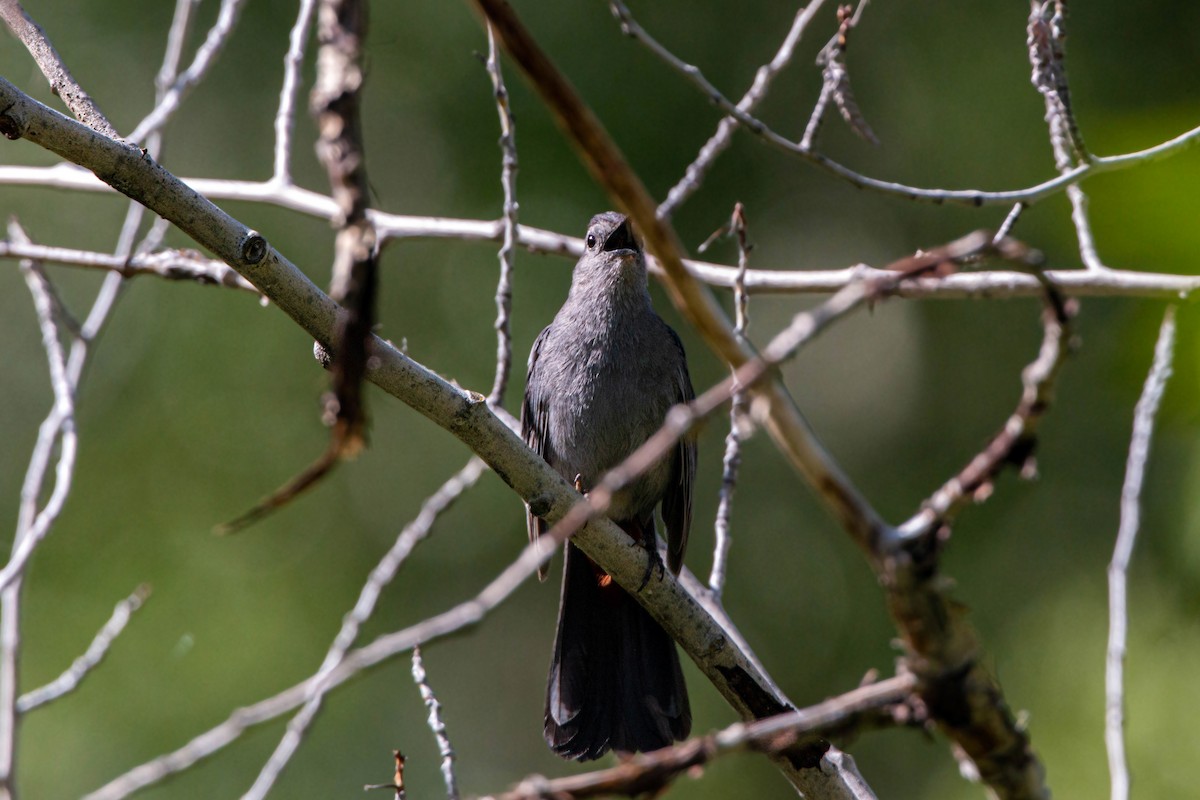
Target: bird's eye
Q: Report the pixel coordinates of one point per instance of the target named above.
(591, 241)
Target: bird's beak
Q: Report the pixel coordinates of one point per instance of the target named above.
(622, 241)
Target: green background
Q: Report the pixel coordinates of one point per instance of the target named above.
(197, 401)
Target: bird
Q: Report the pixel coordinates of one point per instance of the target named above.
(601, 378)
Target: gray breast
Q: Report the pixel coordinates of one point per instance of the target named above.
(609, 400)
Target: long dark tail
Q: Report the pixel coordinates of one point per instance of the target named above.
(615, 680)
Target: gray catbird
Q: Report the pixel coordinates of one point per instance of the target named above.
(602, 377)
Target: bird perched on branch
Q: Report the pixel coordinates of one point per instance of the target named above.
(602, 377)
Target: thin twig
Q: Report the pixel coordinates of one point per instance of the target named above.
(285, 117)
(70, 679)
(835, 83)
(176, 37)
(175, 265)
(1047, 54)
(445, 750)
(32, 524)
(508, 180)
(456, 619)
(1131, 497)
(10, 646)
(737, 411)
(719, 141)
(1009, 222)
(963, 698)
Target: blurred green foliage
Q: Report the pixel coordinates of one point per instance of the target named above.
(198, 401)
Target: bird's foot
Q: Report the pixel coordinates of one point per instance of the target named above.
(654, 563)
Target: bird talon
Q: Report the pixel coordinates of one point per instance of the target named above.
(654, 564)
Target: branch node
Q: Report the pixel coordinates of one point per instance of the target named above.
(253, 248)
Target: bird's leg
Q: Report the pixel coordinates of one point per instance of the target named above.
(654, 562)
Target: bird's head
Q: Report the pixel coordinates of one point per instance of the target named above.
(610, 239)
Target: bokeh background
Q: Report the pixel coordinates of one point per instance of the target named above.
(198, 401)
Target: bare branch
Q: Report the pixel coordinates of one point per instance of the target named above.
(1009, 222)
(508, 180)
(1047, 54)
(737, 412)
(62, 83)
(310, 694)
(719, 141)
(32, 524)
(436, 724)
(176, 36)
(10, 646)
(836, 83)
(1131, 494)
(285, 117)
(175, 265)
(69, 680)
(1047, 38)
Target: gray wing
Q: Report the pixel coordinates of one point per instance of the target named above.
(535, 430)
(677, 502)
